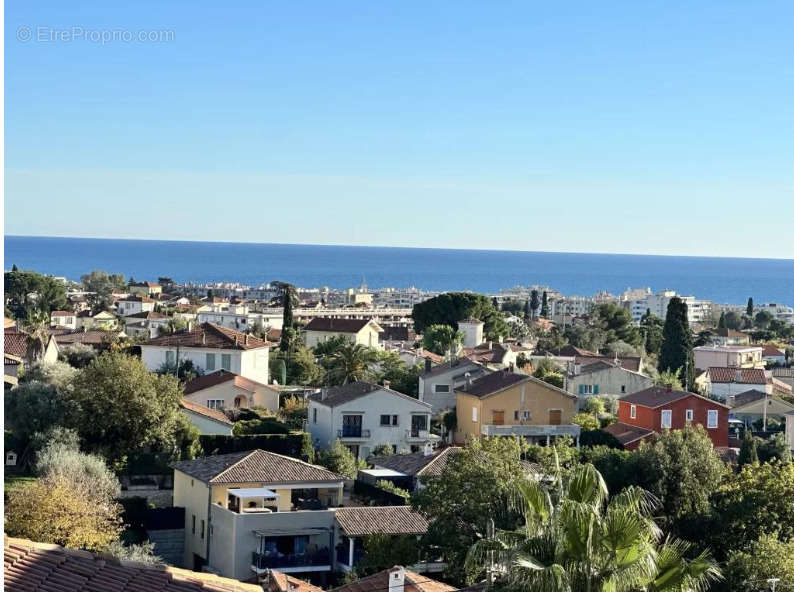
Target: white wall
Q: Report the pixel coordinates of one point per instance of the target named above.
(252, 363)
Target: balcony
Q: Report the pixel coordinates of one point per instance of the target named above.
(353, 434)
(321, 558)
(530, 430)
(413, 435)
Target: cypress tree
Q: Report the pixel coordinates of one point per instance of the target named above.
(721, 322)
(534, 303)
(544, 307)
(748, 453)
(750, 306)
(676, 352)
(527, 314)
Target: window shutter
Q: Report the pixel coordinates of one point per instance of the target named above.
(595, 389)
(581, 389)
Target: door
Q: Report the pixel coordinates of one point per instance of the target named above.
(555, 416)
(498, 417)
(351, 426)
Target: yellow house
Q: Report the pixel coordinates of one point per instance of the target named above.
(145, 289)
(505, 403)
(227, 390)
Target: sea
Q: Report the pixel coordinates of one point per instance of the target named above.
(723, 280)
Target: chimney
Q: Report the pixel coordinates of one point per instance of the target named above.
(428, 450)
(324, 393)
(468, 379)
(386, 384)
(428, 364)
(490, 345)
(397, 579)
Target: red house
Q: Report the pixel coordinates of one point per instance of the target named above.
(644, 413)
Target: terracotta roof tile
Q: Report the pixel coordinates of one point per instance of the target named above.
(379, 582)
(737, 375)
(336, 325)
(202, 382)
(281, 582)
(209, 335)
(361, 521)
(16, 343)
(626, 434)
(206, 411)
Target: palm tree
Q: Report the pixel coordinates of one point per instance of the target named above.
(351, 362)
(576, 540)
(36, 328)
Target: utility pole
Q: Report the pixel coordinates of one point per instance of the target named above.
(766, 403)
(773, 582)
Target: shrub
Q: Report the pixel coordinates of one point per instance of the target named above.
(77, 355)
(386, 485)
(86, 473)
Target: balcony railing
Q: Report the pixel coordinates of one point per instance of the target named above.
(280, 560)
(352, 433)
(530, 430)
(414, 434)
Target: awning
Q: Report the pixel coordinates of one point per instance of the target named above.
(244, 493)
(382, 473)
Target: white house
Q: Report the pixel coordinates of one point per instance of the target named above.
(362, 331)
(603, 378)
(726, 382)
(774, 355)
(134, 304)
(362, 416)
(207, 421)
(437, 384)
(226, 390)
(211, 348)
(145, 324)
(237, 316)
(63, 319)
(724, 356)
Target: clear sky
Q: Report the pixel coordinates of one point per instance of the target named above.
(629, 127)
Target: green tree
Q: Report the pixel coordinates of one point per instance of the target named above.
(339, 459)
(732, 320)
(383, 551)
(616, 322)
(763, 319)
(549, 372)
(586, 421)
(28, 293)
(534, 303)
(304, 369)
(350, 363)
(77, 355)
(329, 346)
(575, 538)
(474, 487)
(442, 339)
(401, 377)
(451, 307)
(676, 351)
(748, 453)
(101, 286)
(652, 328)
(671, 379)
(124, 408)
(288, 298)
(766, 558)
(36, 407)
(544, 305)
(750, 306)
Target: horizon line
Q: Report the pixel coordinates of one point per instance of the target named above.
(227, 242)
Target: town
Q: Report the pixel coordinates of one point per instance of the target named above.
(298, 439)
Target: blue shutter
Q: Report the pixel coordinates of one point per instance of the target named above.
(595, 389)
(581, 389)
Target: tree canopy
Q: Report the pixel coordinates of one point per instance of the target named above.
(451, 307)
(28, 293)
(441, 339)
(676, 350)
(101, 286)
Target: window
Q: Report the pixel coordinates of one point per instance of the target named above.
(226, 361)
(622, 388)
(209, 365)
(215, 403)
(314, 415)
(474, 414)
(169, 357)
(712, 419)
(690, 414)
(394, 420)
(385, 420)
(515, 416)
(585, 389)
(633, 412)
(441, 388)
(202, 529)
(667, 418)
(194, 524)
(527, 415)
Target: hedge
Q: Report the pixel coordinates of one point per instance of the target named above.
(286, 444)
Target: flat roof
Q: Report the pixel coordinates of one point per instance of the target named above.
(246, 492)
(382, 473)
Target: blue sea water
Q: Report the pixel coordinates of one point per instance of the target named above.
(724, 280)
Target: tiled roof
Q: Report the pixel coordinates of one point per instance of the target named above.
(362, 521)
(254, 466)
(632, 363)
(626, 434)
(748, 397)
(16, 343)
(416, 463)
(150, 314)
(209, 335)
(458, 364)
(92, 337)
(488, 353)
(657, 396)
(573, 351)
(398, 333)
(281, 582)
(218, 416)
(336, 325)
(338, 395)
(737, 375)
(491, 383)
(137, 299)
(32, 567)
(62, 313)
(772, 351)
(219, 377)
(379, 582)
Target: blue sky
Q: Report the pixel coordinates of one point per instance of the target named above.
(626, 127)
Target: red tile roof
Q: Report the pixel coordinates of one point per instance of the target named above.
(281, 582)
(772, 351)
(367, 520)
(16, 343)
(337, 325)
(218, 416)
(219, 377)
(737, 375)
(379, 582)
(210, 335)
(31, 567)
(626, 434)
(657, 396)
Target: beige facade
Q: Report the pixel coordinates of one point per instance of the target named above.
(366, 336)
(193, 495)
(233, 395)
(728, 356)
(522, 406)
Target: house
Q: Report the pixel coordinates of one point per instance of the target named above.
(414, 466)
(773, 356)
(603, 378)
(226, 390)
(63, 319)
(437, 384)
(11, 364)
(784, 375)
(132, 305)
(206, 420)
(725, 336)
(362, 331)
(145, 289)
(754, 405)
(278, 581)
(725, 382)
(210, 348)
(401, 336)
(362, 415)
(238, 316)
(495, 355)
(145, 325)
(352, 525)
(242, 513)
(32, 566)
(98, 339)
(505, 403)
(728, 356)
(422, 356)
(18, 345)
(652, 410)
(395, 579)
(103, 320)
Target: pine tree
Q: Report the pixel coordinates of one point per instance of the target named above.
(676, 352)
(527, 313)
(721, 322)
(534, 303)
(750, 307)
(544, 307)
